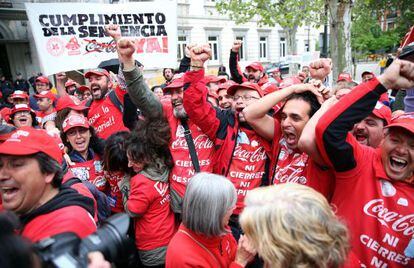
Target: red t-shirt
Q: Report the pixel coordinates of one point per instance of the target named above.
(183, 167)
(91, 171)
(184, 251)
(381, 214)
(247, 165)
(115, 195)
(151, 200)
(105, 117)
(67, 219)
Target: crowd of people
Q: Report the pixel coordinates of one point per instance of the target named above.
(246, 170)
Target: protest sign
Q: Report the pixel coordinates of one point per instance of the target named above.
(70, 36)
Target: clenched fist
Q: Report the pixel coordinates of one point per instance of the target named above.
(199, 55)
(399, 75)
(320, 69)
(236, 46)
(126, 49)
(113, 31)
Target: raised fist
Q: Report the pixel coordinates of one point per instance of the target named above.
(113, 31)
(126, 49)
(187, 50)
(200, 54)
(236, 45)
(320, 69)
(399, 75)
(61, 76)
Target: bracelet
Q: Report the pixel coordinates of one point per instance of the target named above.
(196, 66)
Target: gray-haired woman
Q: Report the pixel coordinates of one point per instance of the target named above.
(204, 238)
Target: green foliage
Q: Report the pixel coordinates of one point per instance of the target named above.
(367, 36)
(286, 13)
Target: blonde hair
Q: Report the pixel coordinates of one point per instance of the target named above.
(292, 225)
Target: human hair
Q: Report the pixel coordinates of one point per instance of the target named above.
(15, 251)
(32, 115)
(154, 87)
(148, 142)
(165, 69)
(48, 165)
(308, 97)
(207, 199)
(115, 157)
(292, 225)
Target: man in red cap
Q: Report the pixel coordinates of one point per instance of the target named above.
(344, 77)
(42, 83)
(366, 76)
(373, 187)
(106, 107)
(152, 109)
(213, 82)
(254, 71)
(240, 152)
(30, 180)
(225, 101)
(370, 130)
(20, 97)
(45, 102)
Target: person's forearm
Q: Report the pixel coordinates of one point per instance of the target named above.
(140, 93)
(260, 108)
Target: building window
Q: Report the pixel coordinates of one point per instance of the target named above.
(242, 51)
(181, 43)
(282, 47)
(263, 48)
(306, 45)
(213, 41)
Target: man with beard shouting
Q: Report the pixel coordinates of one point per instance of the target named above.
(105, 113)
(240, 152)
(254, 72)
(177, 118)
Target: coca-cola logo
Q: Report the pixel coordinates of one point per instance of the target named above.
(249, 156)
(291, 175)
(399, 223)
(200, 142)
(95, 46)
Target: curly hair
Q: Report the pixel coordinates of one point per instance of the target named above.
(292, 225)
(148, 142)
(115, 157)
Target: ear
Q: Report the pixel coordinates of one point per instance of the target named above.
(49, 178)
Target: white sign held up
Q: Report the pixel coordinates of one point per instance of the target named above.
(70, 36)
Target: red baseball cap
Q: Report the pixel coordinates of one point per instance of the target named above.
(20, 108)
(214, 79)
(5, 113)
(246, 85)
(257, 66)
(28, 140)
(290, 81)
(97, 71)
(43, 79)
(382, 111)
(46, 94)
(344, 77)
(405, 121)
(226, 85)
(176, 83)
(19, 94)
(84, 88)
(67, 102)
(70, 83)
(75, 121)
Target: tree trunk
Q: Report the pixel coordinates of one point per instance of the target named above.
(291, 40)
(340, 36)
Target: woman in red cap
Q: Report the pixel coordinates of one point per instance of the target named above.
(22, 116)
(86, 163)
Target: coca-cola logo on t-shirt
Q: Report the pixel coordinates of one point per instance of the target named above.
(200, 142)
(249, 156)
(391, 219)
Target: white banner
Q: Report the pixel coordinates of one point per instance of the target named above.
(71, 36)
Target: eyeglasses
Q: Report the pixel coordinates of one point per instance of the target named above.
(74, 131)
(22, 113)
(245, 98)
